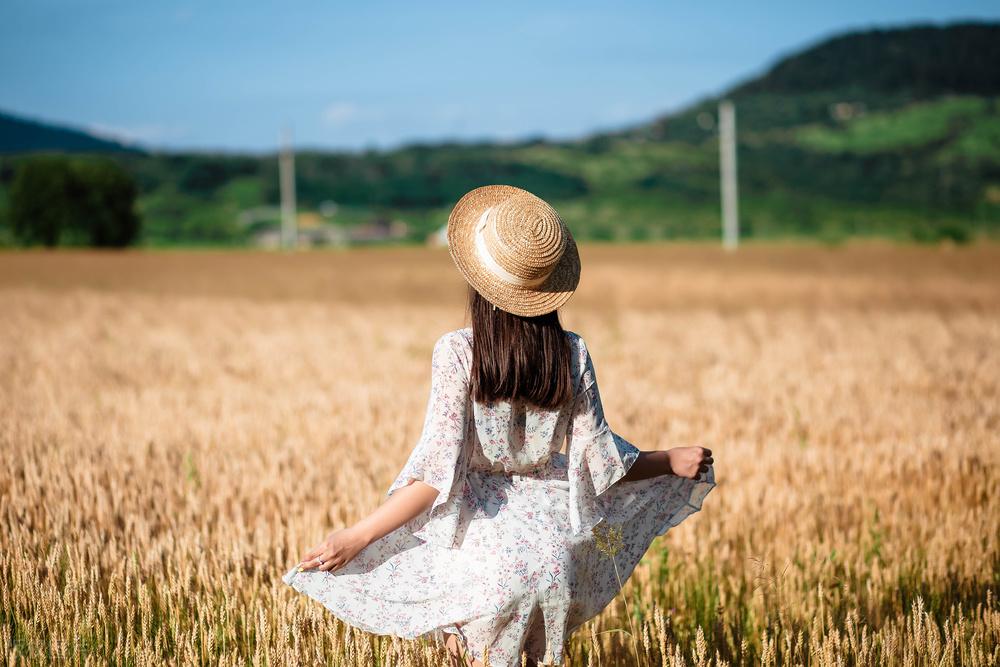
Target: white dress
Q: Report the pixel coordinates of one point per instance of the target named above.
(506, 558)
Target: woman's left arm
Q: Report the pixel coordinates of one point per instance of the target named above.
(681, 461)
(342, 545)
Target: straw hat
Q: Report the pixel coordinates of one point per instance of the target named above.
(514, 249)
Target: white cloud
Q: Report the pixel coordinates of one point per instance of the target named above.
(340, 113)
(133, 134)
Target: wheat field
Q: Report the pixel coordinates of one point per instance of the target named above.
(176, 428)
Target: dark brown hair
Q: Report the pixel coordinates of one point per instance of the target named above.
(518, 357)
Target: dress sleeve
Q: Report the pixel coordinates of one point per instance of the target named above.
(441, 455)
(598, 457)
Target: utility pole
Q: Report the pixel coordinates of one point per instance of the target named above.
(727, 171)
(286, 171)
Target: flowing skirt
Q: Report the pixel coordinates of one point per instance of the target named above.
(520, 580)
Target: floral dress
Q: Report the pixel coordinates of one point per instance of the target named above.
(506, 558)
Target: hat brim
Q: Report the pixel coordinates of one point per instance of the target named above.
(526, 301)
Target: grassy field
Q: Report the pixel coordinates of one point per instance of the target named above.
(175, 428)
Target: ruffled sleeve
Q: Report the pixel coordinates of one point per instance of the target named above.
(441, 455)
(598, 457)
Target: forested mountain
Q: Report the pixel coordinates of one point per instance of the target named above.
(883, 69)
(19, 135)
(883, 132)
(924, 61)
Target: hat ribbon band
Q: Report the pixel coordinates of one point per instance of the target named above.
(490, 262)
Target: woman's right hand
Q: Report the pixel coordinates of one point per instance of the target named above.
(338, 549)
(689, 461)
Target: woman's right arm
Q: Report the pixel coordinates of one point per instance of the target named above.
(403, 505)
(434, 469)
(341, 546)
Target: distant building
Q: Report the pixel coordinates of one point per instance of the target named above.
(379, 229)
(309, 237)
(314, 231)
(268, 238)
(308, 220)
(844, 111)
(322, 235)
(439, 237)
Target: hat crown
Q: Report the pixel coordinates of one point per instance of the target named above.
(525, 236)
(513, 249)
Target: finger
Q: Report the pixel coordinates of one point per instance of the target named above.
(706, 451)
(313, 561)
(312, 553)
(708, 460)
(331, 564)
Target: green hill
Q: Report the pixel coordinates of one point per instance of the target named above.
(21, 135)
(891, 132)
(925, 61)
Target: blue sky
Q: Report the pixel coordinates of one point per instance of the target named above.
(228, 75)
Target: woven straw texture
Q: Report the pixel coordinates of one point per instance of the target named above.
(526, 237)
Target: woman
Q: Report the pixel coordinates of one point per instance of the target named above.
(490, 531)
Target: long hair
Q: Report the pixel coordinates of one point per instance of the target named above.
(516, 357)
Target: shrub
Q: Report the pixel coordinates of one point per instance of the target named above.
(948, 231)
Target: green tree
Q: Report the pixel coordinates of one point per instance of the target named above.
(41, 200)
(108, 195)
(57, 201)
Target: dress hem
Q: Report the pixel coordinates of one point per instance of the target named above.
(700, 491)
(694, 502)
(435, 633)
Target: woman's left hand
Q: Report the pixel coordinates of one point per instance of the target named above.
(338, 549)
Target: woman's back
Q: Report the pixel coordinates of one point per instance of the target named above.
(516, 436)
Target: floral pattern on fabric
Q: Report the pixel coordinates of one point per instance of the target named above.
(441, 455)
(506, 556)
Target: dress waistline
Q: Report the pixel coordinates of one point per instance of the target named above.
(553, 468)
